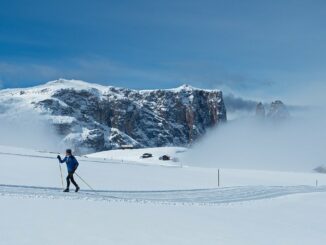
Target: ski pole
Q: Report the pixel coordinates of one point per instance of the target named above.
(114, 197)
(61, 175)
(85, 182)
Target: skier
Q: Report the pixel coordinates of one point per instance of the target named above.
(72, 165)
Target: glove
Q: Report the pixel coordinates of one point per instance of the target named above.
(58, 157)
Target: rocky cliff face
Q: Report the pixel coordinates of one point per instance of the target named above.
(93, 118)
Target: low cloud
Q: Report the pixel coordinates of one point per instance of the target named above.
(297, 144)
(234, 103)
(27, 129)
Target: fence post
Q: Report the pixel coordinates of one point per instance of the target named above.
(218, 177)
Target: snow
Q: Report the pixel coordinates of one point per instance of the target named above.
(26, 96)
(145, 201)
(62, 119)
(292, 220)
(184, 87)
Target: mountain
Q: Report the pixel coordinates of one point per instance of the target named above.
(276, 111)
(93, 117)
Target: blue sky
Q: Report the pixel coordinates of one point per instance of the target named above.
(249, 47)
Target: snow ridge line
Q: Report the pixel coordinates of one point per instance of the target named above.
(224, 195)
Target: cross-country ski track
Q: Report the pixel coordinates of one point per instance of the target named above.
(223, 195)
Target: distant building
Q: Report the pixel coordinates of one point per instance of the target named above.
(125, 147)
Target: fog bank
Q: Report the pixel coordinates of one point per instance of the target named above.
(297, 144)
(28, 130)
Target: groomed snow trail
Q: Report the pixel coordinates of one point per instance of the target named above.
(195, 196)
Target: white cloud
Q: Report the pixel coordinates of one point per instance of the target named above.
(297, 145)
(25, 128)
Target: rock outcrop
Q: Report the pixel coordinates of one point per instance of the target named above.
(277, 111)
(260, 111)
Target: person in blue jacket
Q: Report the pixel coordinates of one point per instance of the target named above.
(72, 165)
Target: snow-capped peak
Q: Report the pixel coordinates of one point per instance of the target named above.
(189, 88)
(186, 87)
(76, 84)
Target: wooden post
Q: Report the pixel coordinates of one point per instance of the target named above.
(316, 182)
(218, 177)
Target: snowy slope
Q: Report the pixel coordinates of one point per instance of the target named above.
(291, 220)
(175, 153)
(145, 203)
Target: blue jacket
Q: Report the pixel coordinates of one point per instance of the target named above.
(71, 162)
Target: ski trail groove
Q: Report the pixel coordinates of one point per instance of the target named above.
(195, 196)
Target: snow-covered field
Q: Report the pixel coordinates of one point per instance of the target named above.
(135, 155)
(147, 201)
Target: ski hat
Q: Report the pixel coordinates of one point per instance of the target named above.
(68, 151)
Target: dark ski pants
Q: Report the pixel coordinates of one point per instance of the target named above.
(69, 178)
